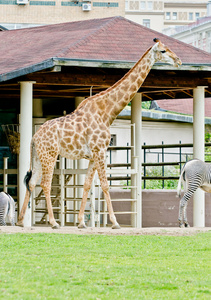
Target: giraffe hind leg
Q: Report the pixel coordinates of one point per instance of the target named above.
(31, 179)
(101, 169)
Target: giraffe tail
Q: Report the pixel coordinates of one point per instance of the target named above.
(29, 173)
(27, 179)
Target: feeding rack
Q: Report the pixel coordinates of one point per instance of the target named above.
(13, 137)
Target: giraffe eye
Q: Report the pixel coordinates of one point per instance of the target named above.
(163, 51)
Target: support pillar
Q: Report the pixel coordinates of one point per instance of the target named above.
(81, 163)
(26, 96)
(198, 152)
(136, 118)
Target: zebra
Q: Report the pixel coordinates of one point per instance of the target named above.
(7, 207)
(195, 174)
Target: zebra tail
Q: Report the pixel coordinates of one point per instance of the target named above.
(180, 181)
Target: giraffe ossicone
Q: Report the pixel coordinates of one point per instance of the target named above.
(85, 133)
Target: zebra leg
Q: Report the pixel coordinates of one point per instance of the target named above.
(181, 212)
(3, 210)
(185, 215)
(2, 222)
(11, 215)
(183, 204)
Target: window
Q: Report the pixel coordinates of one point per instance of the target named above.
(174, 16)
(150, 5)
(142, 5)
(197, 15)
(146, 23)
(126, 5)
(190, 16)
(113, 140)
(168, 16)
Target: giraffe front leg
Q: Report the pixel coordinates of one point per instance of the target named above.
(110, 209)
(87, 185)
(46, 186)
(82, 209)
(100, 165)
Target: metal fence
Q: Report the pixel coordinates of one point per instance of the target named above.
(181, 154)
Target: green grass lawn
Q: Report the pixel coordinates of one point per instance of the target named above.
(62, 266)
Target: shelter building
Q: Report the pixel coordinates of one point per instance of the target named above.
(47, 70)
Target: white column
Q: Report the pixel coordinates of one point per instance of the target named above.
(198, 152)
(25, 140)
(81, 163)
(136, 118)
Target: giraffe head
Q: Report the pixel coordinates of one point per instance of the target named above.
(164, 54)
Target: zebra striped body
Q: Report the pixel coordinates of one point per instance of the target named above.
(195, 174)
(7, 207)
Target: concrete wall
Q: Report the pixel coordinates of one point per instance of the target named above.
(160, 208)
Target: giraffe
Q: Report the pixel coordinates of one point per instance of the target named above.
(85, 133)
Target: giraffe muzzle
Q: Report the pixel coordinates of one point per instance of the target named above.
(178, 62)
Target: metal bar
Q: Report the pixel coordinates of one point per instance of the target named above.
(161, 178)
(144, 165)
(5, 177)
(160, 164)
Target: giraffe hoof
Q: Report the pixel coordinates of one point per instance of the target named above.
(20, 224)
(55, 226)
(82, 226)
(116, 226)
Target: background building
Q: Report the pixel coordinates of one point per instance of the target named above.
(197, 34)
(159, 15)
(27, 13)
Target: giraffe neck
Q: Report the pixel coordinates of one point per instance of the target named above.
(109, 103)
(120, 94)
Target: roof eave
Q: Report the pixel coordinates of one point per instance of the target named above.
(162, 116)
(51, 62)
(127, 64)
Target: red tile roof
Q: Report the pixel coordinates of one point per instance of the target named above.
(110, 39)
(184, 106)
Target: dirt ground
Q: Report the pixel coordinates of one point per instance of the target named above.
(170, 231)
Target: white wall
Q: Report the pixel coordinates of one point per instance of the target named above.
(154, 133)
